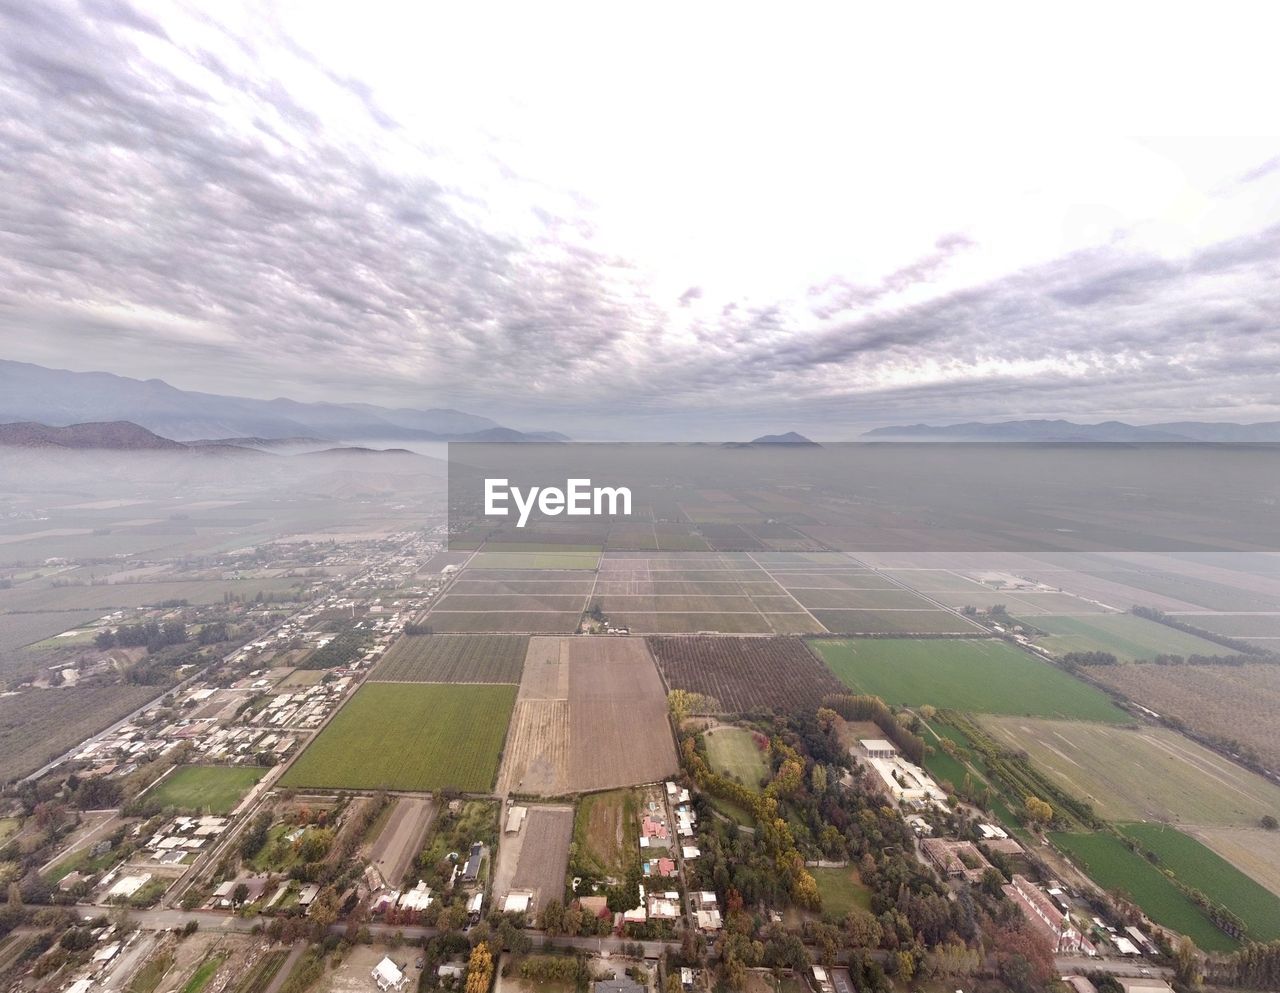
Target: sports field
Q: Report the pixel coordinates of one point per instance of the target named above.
(410, 736)
(1141, 774)
(1211, 874)
(986, 676)
(1116, 869)
(1128, 637)
(213, 788)
(734, 752)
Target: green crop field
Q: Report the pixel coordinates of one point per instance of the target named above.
(1211, 874)
(1140, 774)
(733, 751)
(985, 676)
(410, 736)
(841, 891)
(215, 788)
(905, 622)
(443, 658)
(1115, 868)
(1127, 637)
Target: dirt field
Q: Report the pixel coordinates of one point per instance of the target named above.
(401, 837)
(352, 976)
(535, 858)
(591, 714)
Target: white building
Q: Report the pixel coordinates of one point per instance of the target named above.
(387, 975)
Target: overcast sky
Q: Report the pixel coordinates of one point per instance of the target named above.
(649, 221)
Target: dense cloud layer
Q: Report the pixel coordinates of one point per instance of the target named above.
(226, 212)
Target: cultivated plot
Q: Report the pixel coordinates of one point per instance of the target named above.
(1239, 704)
(591, 714)
(1253, 851)
(1133, 774)
(400, 840)
(402, 736)
(746, 675)
(1126, 636)
(983, 676)
(444, 658)
(535, 858)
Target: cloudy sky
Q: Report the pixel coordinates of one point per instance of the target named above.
(649, 221)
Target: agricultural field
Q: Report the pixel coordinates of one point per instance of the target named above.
(1117, 869)
(20, 630)
(1128, 637)
(510, 622)
(536, 857)
(1211, 874)
(410, 736)
(986, 676)
(443, 658)
(213, 789)
(894, 621)
(746, 675)
(842, 891)
(735, 752)
(1261, 626)
(1231, 703)
(567, 558)
(39, 725)
(606, 830)
(591, 714)
(1253, 851)
(400, 837)
(1137, 774)
(105, 596)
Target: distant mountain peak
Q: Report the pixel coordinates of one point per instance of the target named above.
(790, 438)
(122, 435)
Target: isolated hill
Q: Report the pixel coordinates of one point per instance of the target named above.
(1061, 430)
(790, 438)
(55, 396)
(122, 435)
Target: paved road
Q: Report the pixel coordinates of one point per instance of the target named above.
(1117, 967)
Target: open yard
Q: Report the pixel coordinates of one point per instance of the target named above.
(986, 676)
(214, 789)
(535, 858)
(1211, 874)
(1116, 869)
(733, 751)
(403, 736)
(443, 658)
(605, 830)
(591, 714)
(1134, 774)
(746, 675)
(1126, 636)
(842, 891)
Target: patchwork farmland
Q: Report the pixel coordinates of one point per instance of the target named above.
(444, 658)
(746, 675)
(591, 714)
(982, 676)
(1126, 636)
(403, 736)
(533, 600)
(1164, 776)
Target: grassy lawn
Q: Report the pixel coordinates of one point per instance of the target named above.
(606, 829)
(986, 676)
(1211, 874)
(733, 752)
(842, 890)
(410, 736)
(215, 788)
(1125, 636)
(1115, 868)
(200, 978)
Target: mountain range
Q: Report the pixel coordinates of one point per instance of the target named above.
(1059, 430)
(33, 393)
